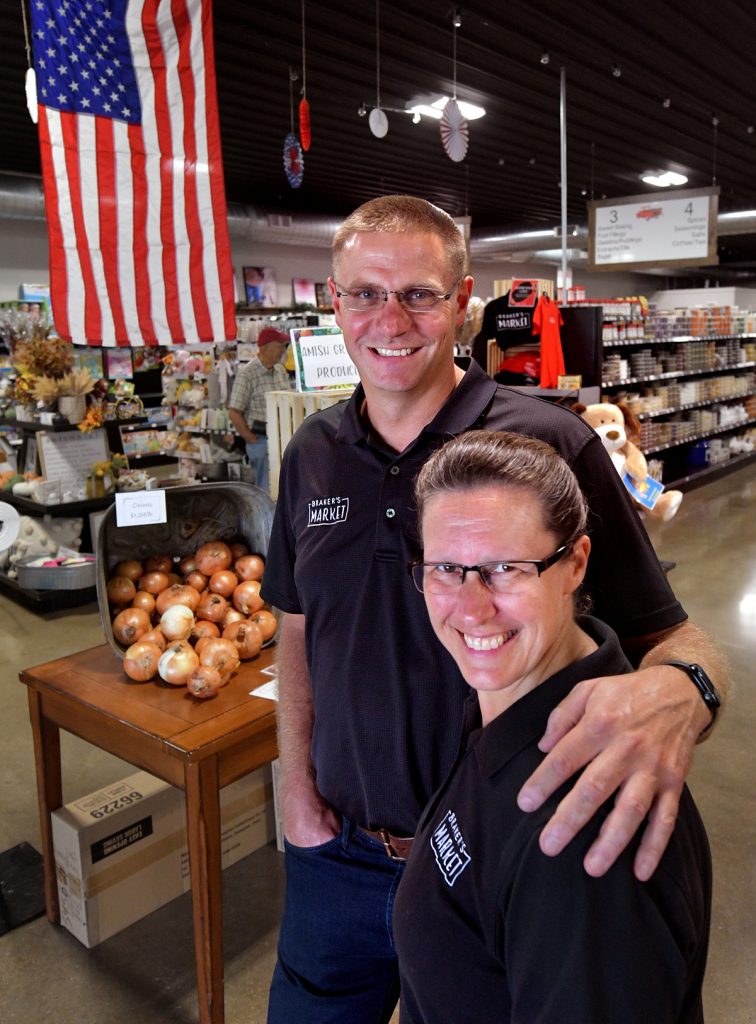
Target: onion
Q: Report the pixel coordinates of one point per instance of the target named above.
(177, 662)
(159, 563)
(176, 622)
(204, 682)
(204, 640)
(173, 579)
(223, 582)
(267, 622)
(177, 594)
(121, 591)
(212, 607)
(154, 582)
(130, 568)
(213, 556)
(197, 580)
(187, 564)
(156, 637)
(140, 662)
(250, 567)
(144, 599)
(203, 628)
(221, 655)
(232, 615)
(238, 551)
(247, 597)
(130, 625)
(246, 636)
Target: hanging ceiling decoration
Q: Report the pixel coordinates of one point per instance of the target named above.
(453, 127)
(378, 121)
(293, 158)
(30, 81)
(304, 107)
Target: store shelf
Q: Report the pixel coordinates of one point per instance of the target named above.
(692, 438)
(672, 374)
(678, 339)
(67, 508)
(695, 405)
(46, 600)
(707, 474)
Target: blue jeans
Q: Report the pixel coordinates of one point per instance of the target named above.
(336, 958)
(257, 453)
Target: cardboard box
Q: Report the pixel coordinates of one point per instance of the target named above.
(121, 852)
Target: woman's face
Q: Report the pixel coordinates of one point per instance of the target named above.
(505, 644)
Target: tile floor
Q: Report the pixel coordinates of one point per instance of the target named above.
(146, 973)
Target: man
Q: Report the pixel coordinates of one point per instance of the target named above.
(263, 373)
(370, 704)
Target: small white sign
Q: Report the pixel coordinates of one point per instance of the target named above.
(321, 359)
(140, 508)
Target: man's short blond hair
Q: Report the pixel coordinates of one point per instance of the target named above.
(400, 214)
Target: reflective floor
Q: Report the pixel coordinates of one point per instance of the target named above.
(146, 972)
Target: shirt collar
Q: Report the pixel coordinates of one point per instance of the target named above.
(525, 721)
(464, 407)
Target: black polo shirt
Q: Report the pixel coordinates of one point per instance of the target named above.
(491, 931)
(387, 697)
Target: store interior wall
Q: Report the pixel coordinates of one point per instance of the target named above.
(23, 244)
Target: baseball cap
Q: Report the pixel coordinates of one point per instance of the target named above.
(268, 334)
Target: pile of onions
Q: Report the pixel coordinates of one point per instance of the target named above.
(190, 620)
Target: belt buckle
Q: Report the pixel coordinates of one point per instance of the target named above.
(388, 847)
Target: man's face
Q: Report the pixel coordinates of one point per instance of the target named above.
(394, 349)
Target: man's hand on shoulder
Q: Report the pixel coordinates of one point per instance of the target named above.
(636, 734)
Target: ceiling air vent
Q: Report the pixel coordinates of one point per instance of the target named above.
(279, 220)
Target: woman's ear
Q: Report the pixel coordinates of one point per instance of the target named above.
(578, 560)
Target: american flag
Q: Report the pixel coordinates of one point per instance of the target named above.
(132, 171)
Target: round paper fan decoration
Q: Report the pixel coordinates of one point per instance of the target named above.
(378, 122)
(454, 132)
(293, 160)
(304, 124)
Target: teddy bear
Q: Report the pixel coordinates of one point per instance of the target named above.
(617, 426)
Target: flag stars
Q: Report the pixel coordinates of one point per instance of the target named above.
(62, 98)
(126, 112)
(85, 102)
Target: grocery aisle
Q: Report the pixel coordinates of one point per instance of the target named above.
(146, 973)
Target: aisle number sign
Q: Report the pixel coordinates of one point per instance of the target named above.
(321, 359)
(651, 231)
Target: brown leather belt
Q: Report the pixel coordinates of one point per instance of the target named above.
(396, 848)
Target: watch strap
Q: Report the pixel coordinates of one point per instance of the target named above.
(703, 684)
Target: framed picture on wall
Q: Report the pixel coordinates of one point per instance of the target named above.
(322, 296)
(260, 286)
(304, 291)
(118, 363)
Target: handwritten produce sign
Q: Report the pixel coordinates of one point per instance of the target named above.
(652, 231)
(321, 360)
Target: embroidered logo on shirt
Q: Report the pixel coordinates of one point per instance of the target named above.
(325, 511)
(449, 848)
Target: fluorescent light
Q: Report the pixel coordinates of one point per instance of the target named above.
(663, 179)
(469, 110)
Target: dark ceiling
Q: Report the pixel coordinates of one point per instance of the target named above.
(696, 54)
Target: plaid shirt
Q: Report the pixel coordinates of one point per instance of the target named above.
(251, 385)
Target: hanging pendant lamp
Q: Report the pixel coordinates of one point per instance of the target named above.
(293, 159)
(304, 106)
(453, 126)
(378, 121)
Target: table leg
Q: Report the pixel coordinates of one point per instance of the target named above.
(203, 832)
(49, 791)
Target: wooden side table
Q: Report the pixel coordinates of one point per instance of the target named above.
(198, 746)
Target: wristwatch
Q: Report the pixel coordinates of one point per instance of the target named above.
(704, 686)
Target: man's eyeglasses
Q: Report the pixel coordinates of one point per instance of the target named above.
(500, 577)
(416, 300)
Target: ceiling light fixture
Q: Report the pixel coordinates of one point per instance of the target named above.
(616, 71)
(667, 103)
(663, 179)
(435, 109)
(545, 57)
(457, 18)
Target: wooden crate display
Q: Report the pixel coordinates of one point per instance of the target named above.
(285, 412)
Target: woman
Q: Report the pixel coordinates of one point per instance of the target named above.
(487, 927)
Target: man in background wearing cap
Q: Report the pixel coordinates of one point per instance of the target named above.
(263, 373)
